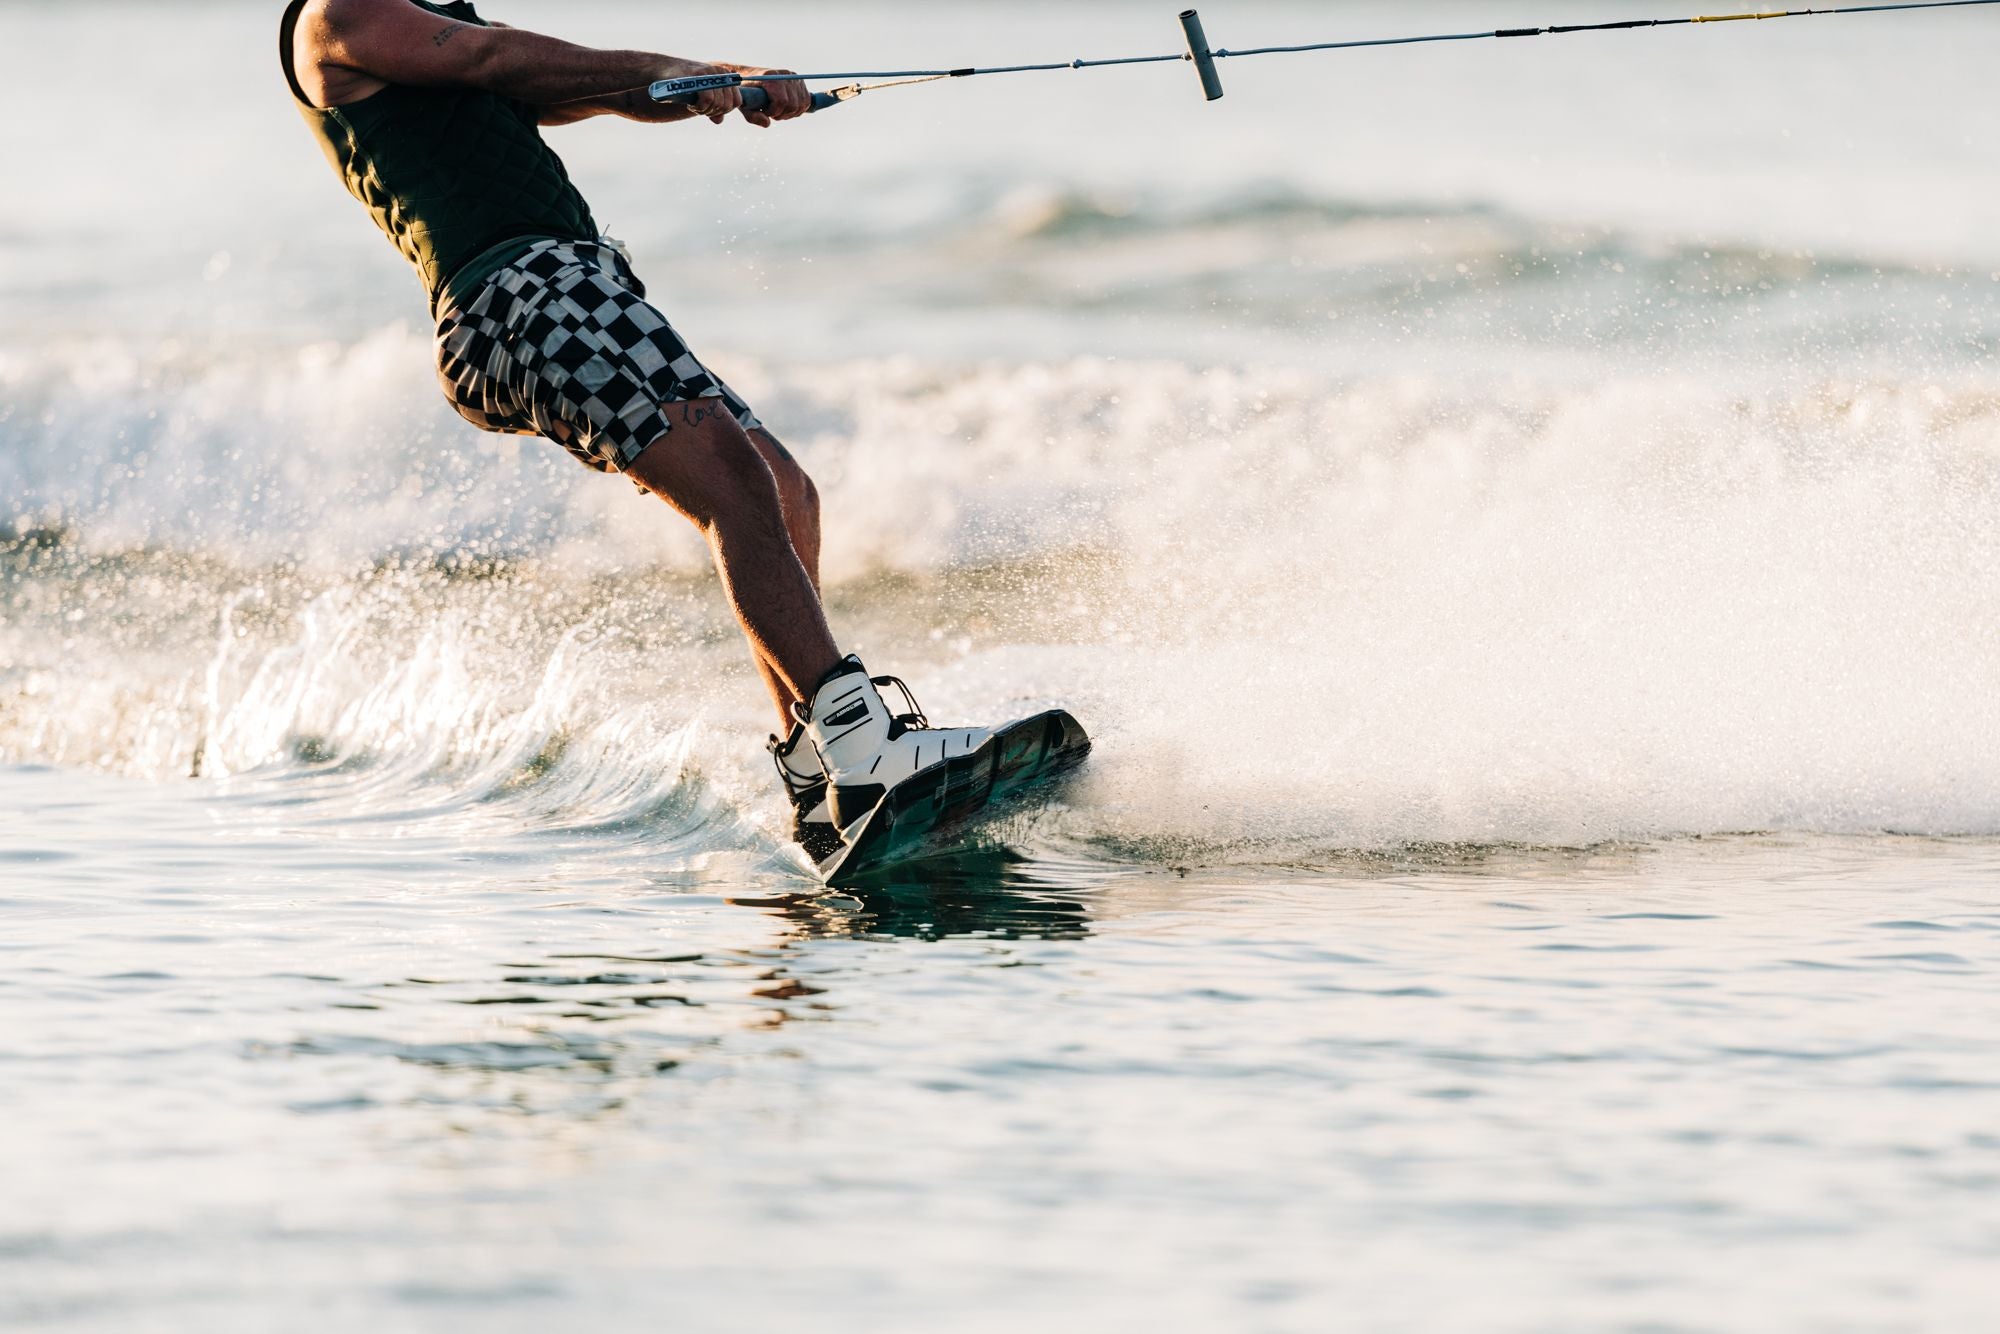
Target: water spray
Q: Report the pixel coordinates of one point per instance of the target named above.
(1204, 58)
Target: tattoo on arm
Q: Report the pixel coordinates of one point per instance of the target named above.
(446, 33)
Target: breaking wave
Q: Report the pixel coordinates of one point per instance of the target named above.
(1302, 612)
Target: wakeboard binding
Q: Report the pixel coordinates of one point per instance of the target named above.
(871, 787)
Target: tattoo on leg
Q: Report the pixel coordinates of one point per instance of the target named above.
(446, 34)
(693, 413)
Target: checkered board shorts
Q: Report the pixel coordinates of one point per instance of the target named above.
(561, 343)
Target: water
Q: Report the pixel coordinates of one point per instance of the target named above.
(1519, 521)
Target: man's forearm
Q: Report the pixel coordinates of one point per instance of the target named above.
(548, 71)
(633, 104)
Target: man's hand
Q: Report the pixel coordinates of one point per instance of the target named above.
(789, 99)
(715, 103)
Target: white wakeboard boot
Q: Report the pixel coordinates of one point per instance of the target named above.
(864, 748)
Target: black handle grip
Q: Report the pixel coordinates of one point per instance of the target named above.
(755, 98)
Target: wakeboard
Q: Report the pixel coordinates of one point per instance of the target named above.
(935, 812)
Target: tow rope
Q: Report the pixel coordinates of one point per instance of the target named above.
(1204, 58)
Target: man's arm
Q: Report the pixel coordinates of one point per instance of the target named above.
(632, 104)
(396, 42)
(787, 100)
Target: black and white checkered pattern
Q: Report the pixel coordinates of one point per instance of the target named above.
(561, 343)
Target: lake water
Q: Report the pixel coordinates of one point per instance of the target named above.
(1520, 520)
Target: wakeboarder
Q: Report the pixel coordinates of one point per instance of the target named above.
(432, 118)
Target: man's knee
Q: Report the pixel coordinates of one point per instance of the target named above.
(801, 496)
(809, 498)
(794, 484)
(711, 471)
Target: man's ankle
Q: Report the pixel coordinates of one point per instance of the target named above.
(839, 668)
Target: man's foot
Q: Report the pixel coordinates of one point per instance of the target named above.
(863, 748)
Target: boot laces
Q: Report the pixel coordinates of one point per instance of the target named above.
(782, 752)
(914, 720)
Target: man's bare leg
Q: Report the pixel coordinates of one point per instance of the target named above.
(800, 501)
(710, 471)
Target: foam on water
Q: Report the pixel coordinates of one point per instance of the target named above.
(1302, 612)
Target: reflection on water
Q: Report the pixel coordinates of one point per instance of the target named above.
(994, 893)
(625, 1011)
